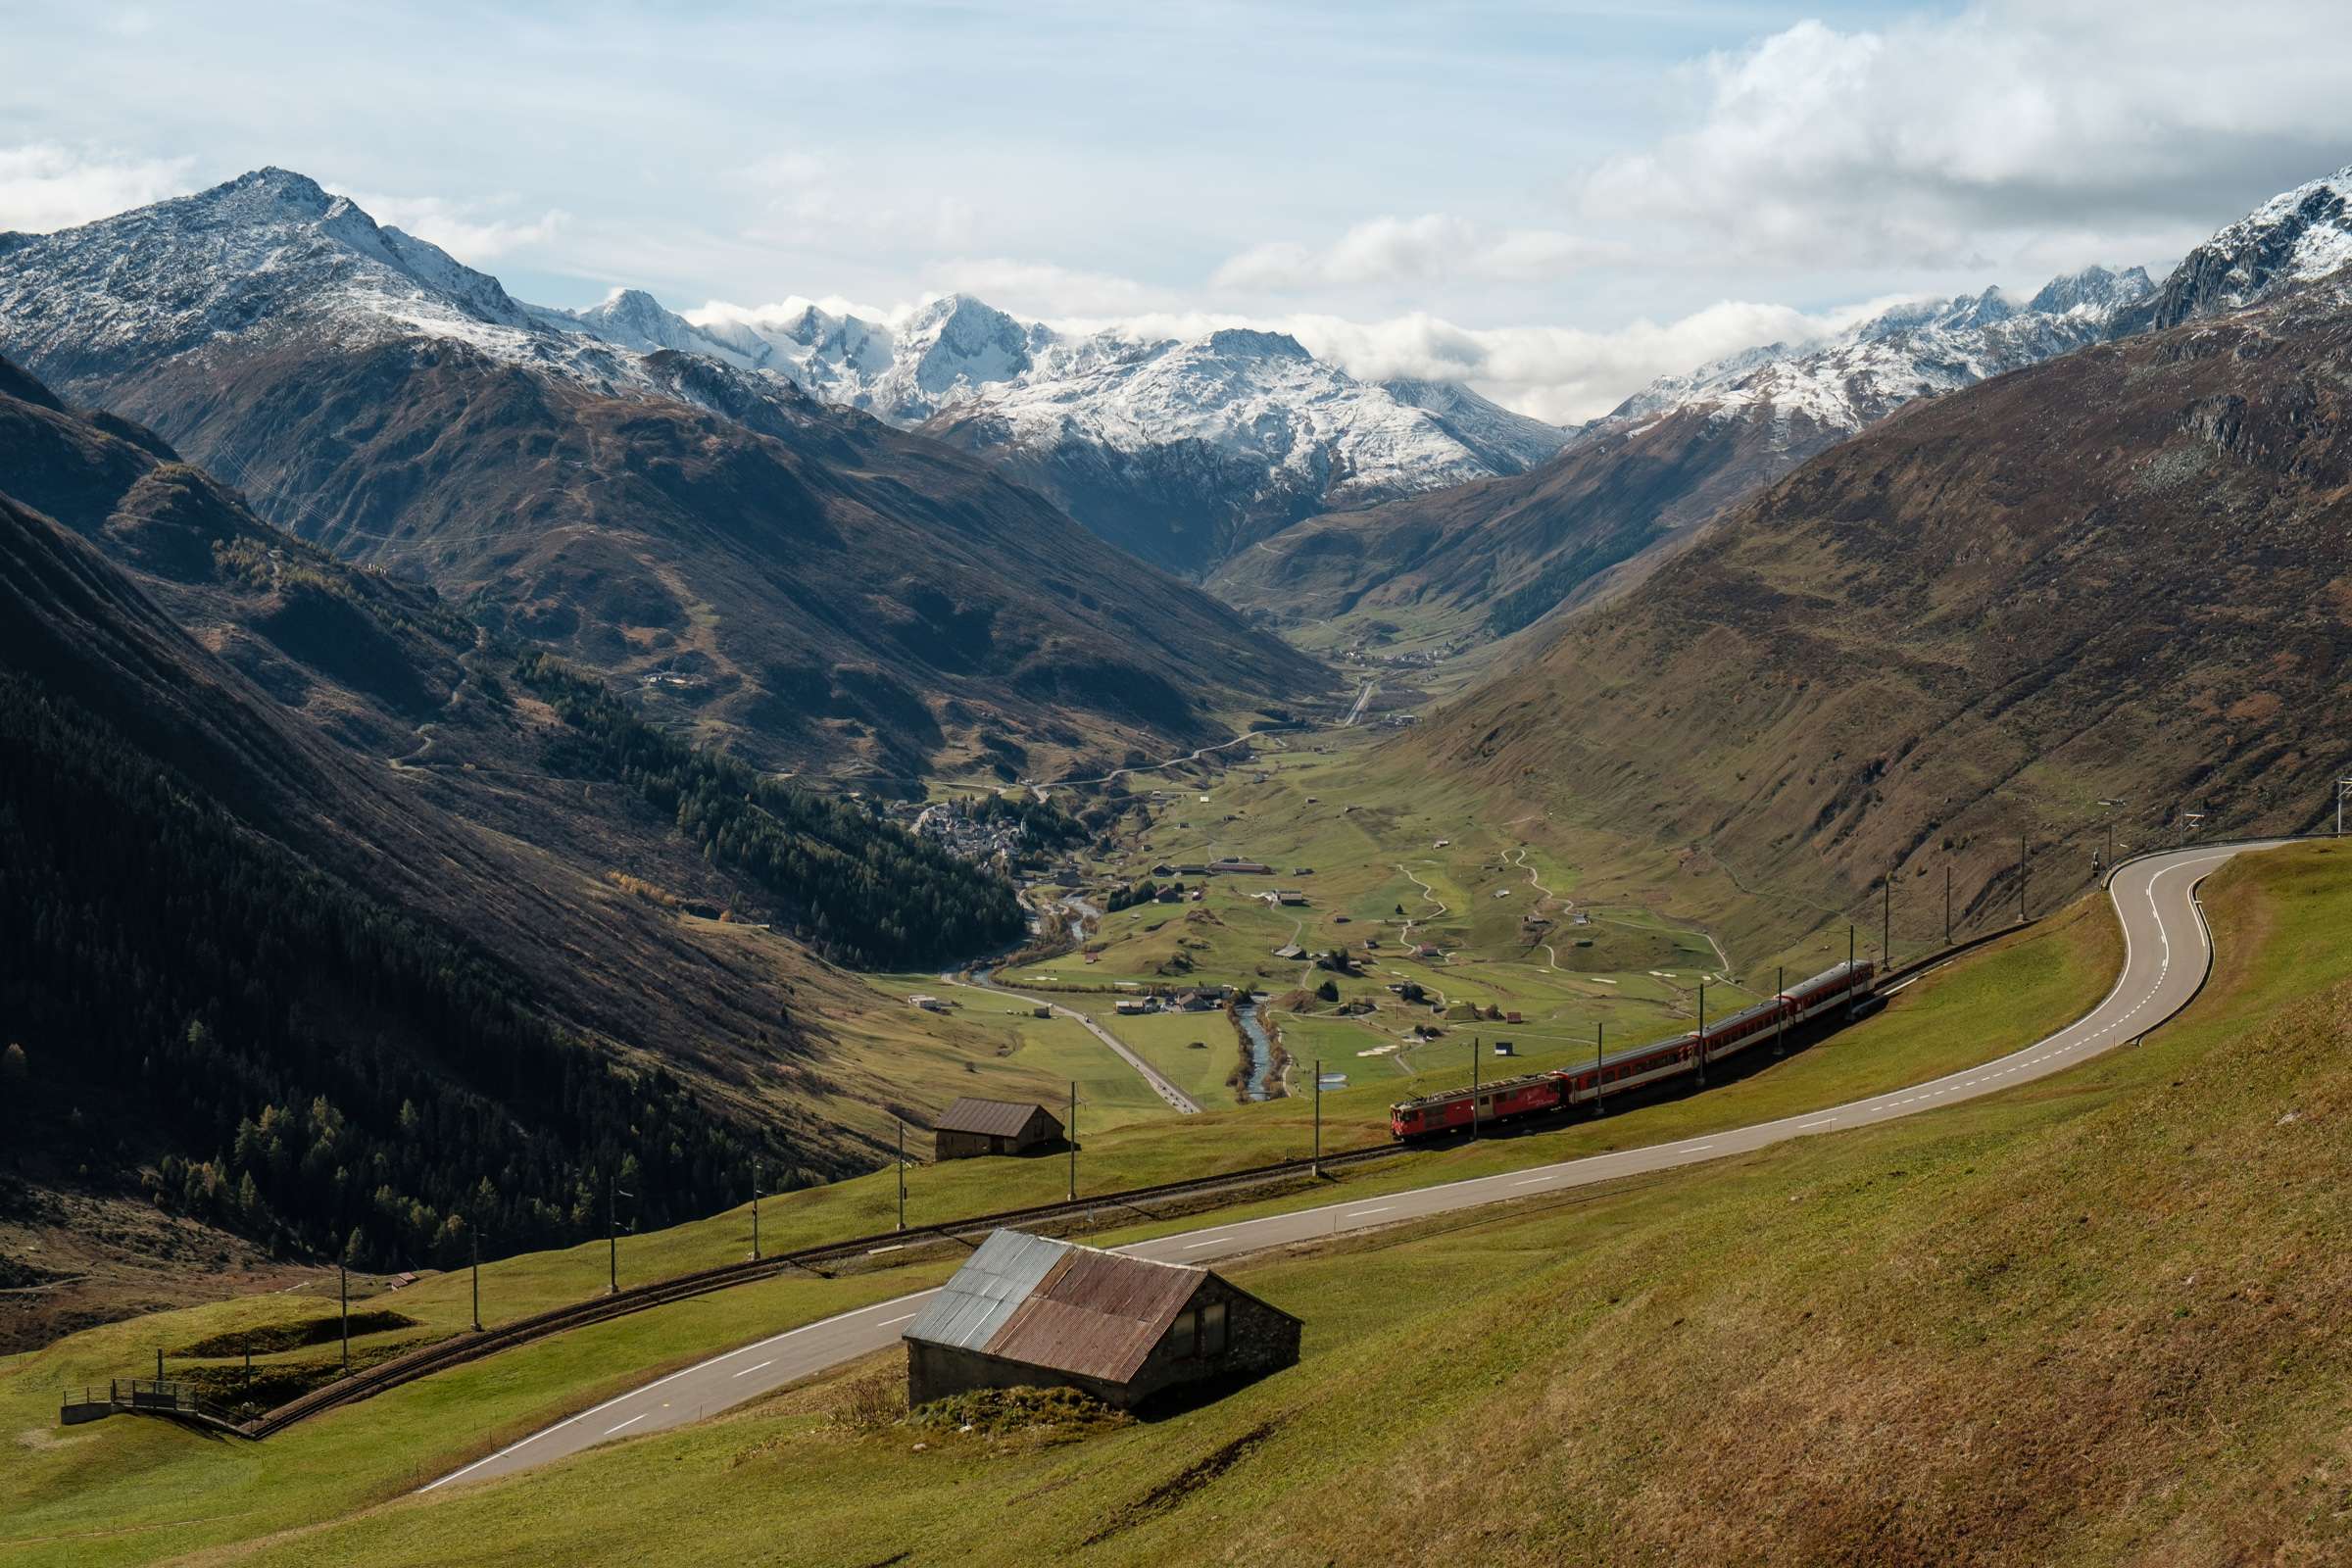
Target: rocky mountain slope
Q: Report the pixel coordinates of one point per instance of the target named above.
(2122, 574)
(444, 893)
(826, 590)
(1488, 560)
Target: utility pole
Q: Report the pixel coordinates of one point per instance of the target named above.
(1598, 1109)
(1948, 904)
(755, 1194)
(158, 1364)
(343, 1285)
(1474, 1086)
(474, 1236)
(901, 1174)
(1849, 944)
(2024, 853)
(1317, 1168)
(613, 1231)
(1072, 1141)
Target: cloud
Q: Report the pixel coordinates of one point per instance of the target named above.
(460, 228)
(44, 186)
(1410, 250)
(2044, 134)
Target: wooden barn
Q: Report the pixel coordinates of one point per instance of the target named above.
(971, 1127)
(1027, 1311)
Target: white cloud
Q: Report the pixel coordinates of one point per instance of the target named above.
(44, 186)
(1410, 250)
(460, 228)
(2037, 135)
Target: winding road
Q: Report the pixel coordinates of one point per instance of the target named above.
(2166, 955)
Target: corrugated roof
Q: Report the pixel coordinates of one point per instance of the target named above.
(1054, 1304)
(995, 1118)
(995, 1279)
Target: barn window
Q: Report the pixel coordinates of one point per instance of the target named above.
(1181, 1334)
(1213, 1329)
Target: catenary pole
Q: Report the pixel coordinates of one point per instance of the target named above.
(1474, 1086)
(1780, 1019)
(474, 1236)
(1598, 1109)
(1948, 904)
(755, 1209)
(1073, 1140)
(1702, 1034)
(2024, 853)
(1316, 1168)
(901, 1174)
(1886, 921)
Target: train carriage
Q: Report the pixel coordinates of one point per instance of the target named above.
(1511, 1099)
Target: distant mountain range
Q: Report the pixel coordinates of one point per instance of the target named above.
(1179, 450)
(750, 561)
(1487, 560)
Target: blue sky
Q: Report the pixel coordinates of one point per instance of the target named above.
(1555, 201)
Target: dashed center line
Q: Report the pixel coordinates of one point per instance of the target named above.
(631, 1422)
(748, 1370)
(1360, 1213)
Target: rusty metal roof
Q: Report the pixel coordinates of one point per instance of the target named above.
(1055, 1305)
(994, 1118)
(969, 1308)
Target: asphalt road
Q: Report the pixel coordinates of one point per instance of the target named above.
(2166, 955)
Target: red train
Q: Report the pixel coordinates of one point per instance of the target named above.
(1509, 1098)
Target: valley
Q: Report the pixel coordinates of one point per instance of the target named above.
(1802, 917)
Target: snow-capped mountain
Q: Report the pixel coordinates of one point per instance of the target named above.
(267, 252)
(1180, 449)
(875, 600)
(1913, 350)
(2295, 238)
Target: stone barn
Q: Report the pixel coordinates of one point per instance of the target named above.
(972, 1127)
(1027, 1311)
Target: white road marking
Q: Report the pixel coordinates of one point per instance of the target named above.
(888, 1322)
(1205, 1240)
(748, 1370)
(631, 1422)
(1361, 1213)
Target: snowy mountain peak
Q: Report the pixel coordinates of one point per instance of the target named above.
(1912, 349)
(2095, 290)
(2295, 238)
(1241, 342)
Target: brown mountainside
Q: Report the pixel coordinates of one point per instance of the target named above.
(2126, 573)
(1492, 557)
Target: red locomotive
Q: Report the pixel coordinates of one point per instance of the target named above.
(1510, 1098)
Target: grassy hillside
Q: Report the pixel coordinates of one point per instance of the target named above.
(2101, 1319)
(2116, 575)
(151, 1492)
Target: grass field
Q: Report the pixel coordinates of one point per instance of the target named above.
(2100, 1318)
(130, 1492)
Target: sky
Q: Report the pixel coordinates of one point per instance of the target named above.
(1554, 202)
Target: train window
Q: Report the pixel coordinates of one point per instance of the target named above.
(1212, 1328)
(1181, 1334)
